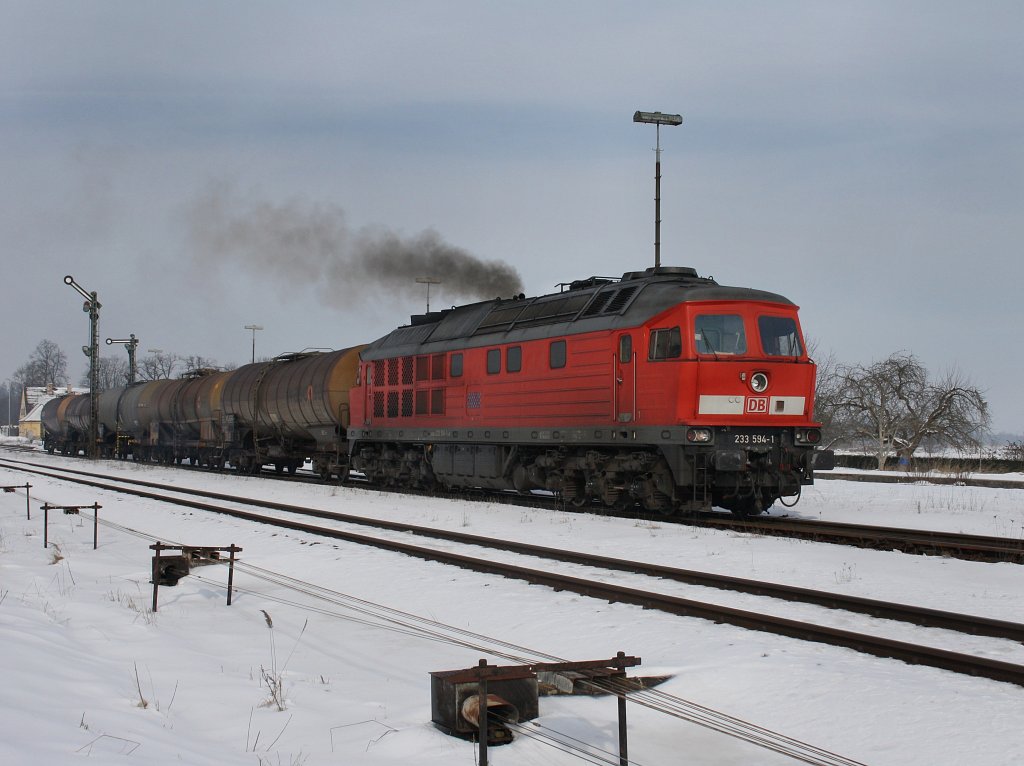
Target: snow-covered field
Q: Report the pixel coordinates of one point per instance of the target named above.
(91, 673)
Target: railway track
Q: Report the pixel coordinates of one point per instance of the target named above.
(912, 541)
(911, 478)
(878, 646)
(919, 541)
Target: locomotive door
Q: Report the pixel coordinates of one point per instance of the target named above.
(625, 380)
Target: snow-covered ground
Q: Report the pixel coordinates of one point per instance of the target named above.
(91, 673)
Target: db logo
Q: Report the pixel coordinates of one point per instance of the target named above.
(757, 404)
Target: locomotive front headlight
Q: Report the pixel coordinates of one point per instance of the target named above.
(759, 382)
(698, 435)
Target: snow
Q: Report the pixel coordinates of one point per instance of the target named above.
(91, 673)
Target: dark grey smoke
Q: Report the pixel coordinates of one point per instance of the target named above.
(303, 244)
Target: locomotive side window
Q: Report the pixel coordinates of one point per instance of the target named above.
(779, 336)
(556, 354)
(666, 344)
(514, 359)
(437, 367)
(456, 367)
(625, 349)
(493, 361)
(422, 368)
(720, 334)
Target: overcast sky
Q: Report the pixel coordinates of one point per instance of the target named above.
(207, 165)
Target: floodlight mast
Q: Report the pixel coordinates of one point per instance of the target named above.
(130, 343)
(92, 308)
(657, 119)
(428, 281)
(254, 328)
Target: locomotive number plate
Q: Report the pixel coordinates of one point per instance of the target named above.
(754, 439)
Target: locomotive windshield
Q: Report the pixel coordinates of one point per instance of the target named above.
(720, 334)
(779, 336)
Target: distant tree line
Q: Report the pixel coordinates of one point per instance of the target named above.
(48, 366)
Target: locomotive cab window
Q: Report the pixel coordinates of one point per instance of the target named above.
(720, 334)
(625, 349)
(493, 361)
(779, 336)
(666, 344)
(456, 365)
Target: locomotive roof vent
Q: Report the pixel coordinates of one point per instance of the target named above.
(666, 271)
(431, 318)
(583, 284)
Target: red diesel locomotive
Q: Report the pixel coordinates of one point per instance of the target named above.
(661, 388)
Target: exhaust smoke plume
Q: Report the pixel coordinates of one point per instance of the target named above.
(304, 244)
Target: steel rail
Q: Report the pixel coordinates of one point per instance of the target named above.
(954, 544)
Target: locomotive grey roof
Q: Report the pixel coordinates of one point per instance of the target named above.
(597, 303)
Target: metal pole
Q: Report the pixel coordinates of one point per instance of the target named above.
(46, 524)
(623, 746)
(156, 571)
(657, 198)
(657, 119)
(482, 715)
(254, 328)
(95, 525)
(130, 343)
(131, 346)
(93, 306)
(428, 281)
(231, 569)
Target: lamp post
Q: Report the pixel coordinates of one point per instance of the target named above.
(254, 328)
(92, 308)
(428, 281)
(657, 119)
(10, 406)
(130, 343)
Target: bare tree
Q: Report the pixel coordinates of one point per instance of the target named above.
(895, 407)
(112, 372)
(195, 363)
(158, 366)
(48, 365)
(949, 412)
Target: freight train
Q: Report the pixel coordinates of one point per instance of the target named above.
(661, 389)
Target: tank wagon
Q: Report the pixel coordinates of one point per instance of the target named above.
(660, 388)
(284, 412)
